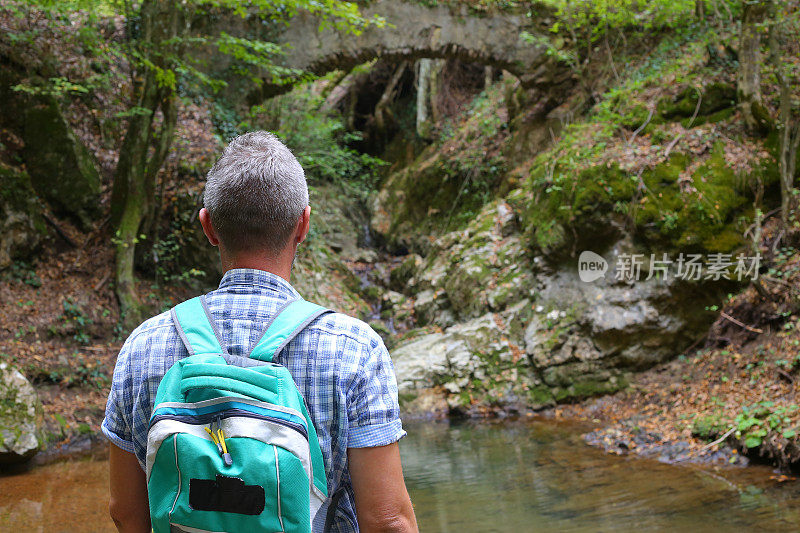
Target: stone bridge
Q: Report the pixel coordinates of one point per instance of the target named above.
(414, 31)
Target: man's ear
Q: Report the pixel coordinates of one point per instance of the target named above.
(303, 225)
(208, 229)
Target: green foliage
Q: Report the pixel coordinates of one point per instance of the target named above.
(757, 421)
(779, 268)
(708, 426)
(581, 183)
(76, 320)
(22, 272)
(57, 87)
(169, 252)
(476, 166)
(320, 141)
(77, 371)
(598, 16)
(39, 25)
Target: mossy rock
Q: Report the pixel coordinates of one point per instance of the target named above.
(21, 417)
(466, 285)
(402, 273)
(582, 380)
(589, 386)
(22, 225)
(714, 98)
(583, 209)
(703, 220)
(705, 217)
(62, 170)
(541, 396)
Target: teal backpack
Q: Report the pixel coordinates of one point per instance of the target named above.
(231, 447)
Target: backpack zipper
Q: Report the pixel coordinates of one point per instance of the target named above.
(229, 413)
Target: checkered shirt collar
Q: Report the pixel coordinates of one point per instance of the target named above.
(257, 278)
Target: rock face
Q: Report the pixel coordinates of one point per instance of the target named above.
(61, 168)
(516, 331)
(21, 224)
(20, 417)
(470, 361)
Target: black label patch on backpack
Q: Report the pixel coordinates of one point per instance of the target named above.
(227, 495)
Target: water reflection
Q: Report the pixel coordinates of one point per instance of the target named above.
(63, 497)
(465, 478)
(542, 477)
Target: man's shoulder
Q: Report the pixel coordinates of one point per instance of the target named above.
(347, 326)
(159, 326)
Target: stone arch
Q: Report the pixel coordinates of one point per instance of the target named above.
(415, 31)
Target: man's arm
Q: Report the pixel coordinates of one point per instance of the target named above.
(128, 505)
(382, 502)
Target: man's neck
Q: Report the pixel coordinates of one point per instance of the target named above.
(280, 265)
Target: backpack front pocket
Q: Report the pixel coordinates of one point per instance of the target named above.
(192, 486)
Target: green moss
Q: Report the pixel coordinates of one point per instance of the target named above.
(703, 215)
(466, 283)
(540, 396)
(582, 200)
(587, 387)
(714, 98)
(21, 220)
(708, 426)
(701, 218)
(406, 398)
(400, 275)
(509, 286)
(448, 184)
(61, 168)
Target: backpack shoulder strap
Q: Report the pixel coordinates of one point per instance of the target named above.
(197, 330)
(291, 319)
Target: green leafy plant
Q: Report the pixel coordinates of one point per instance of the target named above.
(75, 319)
(757, 421)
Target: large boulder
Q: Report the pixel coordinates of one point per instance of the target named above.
(62, 170)
(21, 224)
(577, 339)
(623, 324)
(467, 273)
(471, 364)
(20, 417)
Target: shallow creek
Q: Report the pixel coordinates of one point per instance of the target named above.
(483, 477)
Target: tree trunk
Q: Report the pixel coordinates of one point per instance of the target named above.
(755, 115)
(789, 128)
(428, 86)
(790, 139)
(423, 118)
(143, 150)
(700, 9)
(383, 115)
(162, 141)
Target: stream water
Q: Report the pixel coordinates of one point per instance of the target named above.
(469, 477)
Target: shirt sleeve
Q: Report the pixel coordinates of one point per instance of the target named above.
(373, 409)
(116, 424)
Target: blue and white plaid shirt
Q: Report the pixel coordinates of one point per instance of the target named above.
(339, 363)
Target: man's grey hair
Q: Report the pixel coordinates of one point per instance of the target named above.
(255, 193)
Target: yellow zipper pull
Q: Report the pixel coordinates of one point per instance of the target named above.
(225, 455)
(214, 438)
